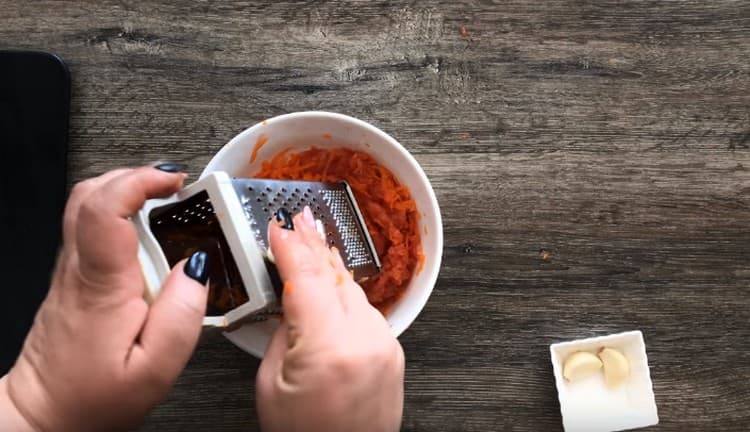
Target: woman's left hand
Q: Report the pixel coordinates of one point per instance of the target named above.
(98, 357)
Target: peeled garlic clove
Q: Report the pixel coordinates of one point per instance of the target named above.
(616, 367)
(580, 364)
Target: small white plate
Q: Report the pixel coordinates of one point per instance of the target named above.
(588, 405)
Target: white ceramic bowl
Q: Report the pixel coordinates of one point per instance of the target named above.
(302, 130)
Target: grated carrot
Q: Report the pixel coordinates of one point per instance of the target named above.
(258, 145)
(389, 211)
(420, 265)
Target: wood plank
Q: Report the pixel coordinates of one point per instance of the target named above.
(590, 158)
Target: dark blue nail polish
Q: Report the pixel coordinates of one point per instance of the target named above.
(283, 216)
(196, 267)
(171, 167)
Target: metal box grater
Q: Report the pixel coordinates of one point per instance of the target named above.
(228, 218)
(333, 204)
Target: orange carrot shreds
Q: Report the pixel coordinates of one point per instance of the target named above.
(258, 145)
(339, 279)
(288, 288)
(420, 265)
(389, 211)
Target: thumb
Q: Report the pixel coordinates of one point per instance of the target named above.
(174, 320)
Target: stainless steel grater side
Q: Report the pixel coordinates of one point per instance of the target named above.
(333, 204)
(228, 218)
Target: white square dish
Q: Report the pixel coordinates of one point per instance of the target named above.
(588, 405)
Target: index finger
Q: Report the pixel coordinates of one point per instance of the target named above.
(106, 240)
(310, 299)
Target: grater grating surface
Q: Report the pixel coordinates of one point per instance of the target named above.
(182, 226)
(331, 203)
(191, 225)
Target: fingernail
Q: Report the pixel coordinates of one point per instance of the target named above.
(171, 167)
(309, 218)
(196, 267)
(283, 217)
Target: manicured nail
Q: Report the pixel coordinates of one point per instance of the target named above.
(196, 267)
(171, 167)
(285, 219)
(307, 215)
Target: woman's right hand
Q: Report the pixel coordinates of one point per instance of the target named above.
(333, 364)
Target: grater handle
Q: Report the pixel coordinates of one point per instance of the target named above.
(240, 239)
(154, 265)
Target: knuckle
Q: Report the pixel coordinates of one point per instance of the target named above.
(187, 309)
(89, 209)
(78, 196)
(400, 359)
(345, 364)
(82, 188)
(69, 220)
(308, 267)
(349, 361)
(384, 356)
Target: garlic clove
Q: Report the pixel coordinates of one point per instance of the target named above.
(616, 367)
(580, 365)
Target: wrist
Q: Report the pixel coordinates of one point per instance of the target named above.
(10, 417)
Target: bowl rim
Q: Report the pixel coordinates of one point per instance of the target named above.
(434, 270)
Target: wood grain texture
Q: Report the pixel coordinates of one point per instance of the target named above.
(591, 161)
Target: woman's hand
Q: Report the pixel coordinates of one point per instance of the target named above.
(333, 364)
(98, 357)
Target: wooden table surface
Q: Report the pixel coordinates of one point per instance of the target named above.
(590, 158)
